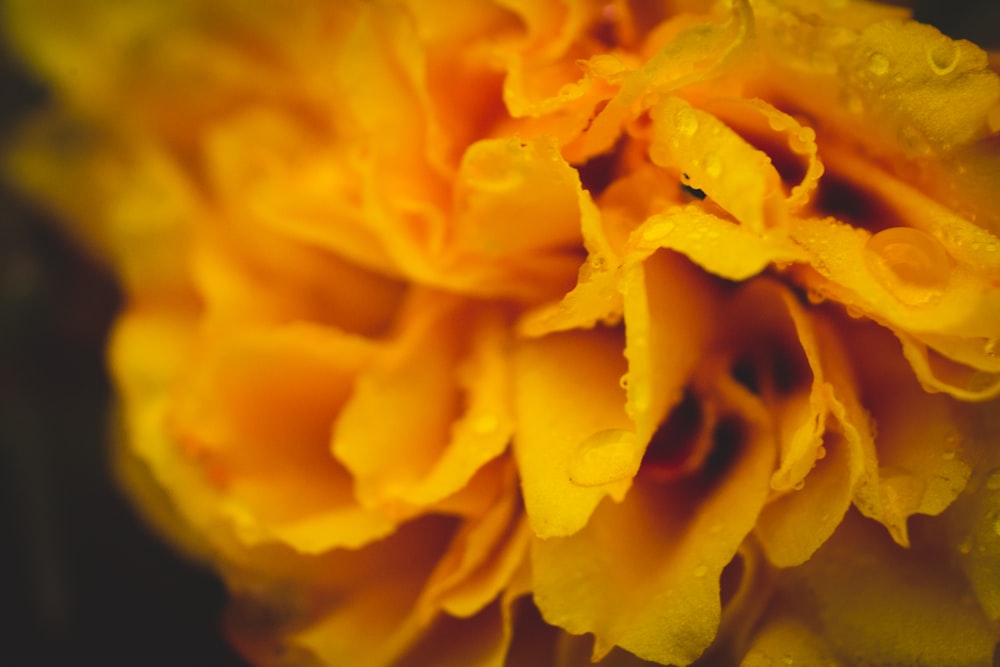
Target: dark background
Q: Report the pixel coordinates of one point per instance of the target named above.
(81, 579)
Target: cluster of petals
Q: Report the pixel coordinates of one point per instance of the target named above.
(509, 332)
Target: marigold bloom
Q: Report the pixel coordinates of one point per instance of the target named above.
(675, 323)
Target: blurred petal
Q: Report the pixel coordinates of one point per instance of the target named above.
(881, 605)
(444, 380)
(786, 640)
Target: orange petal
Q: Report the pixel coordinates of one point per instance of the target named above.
(444, 380)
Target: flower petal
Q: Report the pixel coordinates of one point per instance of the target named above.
(669, 545)
(879, 604)
(444, 380)
(785, 639)
(566, 394)
(716, 160)
(728, 250)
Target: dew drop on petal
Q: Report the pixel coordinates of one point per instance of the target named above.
(685, 121)
(993, 480)
(605, 457)
(713, 165)
(657, 232)
(878, 64)
(700, 571)
(943, 57)
(909, 263)
(965, 546)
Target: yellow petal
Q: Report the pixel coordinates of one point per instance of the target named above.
(566, 392)
(660, 292)
(481, 558)
(498, 200)
(669, 545)
(918, 439)
(596, 297)
(786, 640)
(716, 160)
(691, 55)
(860, 589)
(719, 246)
(374, 623)
(974, 519)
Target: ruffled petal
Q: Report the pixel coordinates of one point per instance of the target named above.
(716, 160)
(918, 436)
(482, 558)
(267, 463)
(728, 250)
(669, 545)
(444, 380)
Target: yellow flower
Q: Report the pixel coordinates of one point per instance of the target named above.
(457, 331)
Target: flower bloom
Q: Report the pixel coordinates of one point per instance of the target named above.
(458, 332)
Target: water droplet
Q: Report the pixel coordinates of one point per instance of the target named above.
(787, 659)
(965, 546)
(713, 165)
(820, 453)
(686, 121)
(948, 456)
(943, 57)
(657, 232)
(799, 485)
(993, 481)
(878, 64)
(485, 424)
(623, 381)
(700, 571)
(605, 457)
(912, 265)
